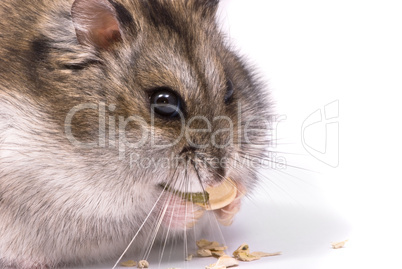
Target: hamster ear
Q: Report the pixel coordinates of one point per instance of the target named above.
(213, 3)
(96, 23)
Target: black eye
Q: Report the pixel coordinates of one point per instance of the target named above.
(229, 91)
(166, 103)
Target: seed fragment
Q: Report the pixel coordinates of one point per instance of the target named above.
(214, 266)
(224, 262)
(243, 249)
(218, 253)
(227, 261)
(189, 257)
(143, 264)
(129, 263)
(246, 257)
(337, 245)
(204, 252)
(211, 245)
(212, 198)
(242, 253)
(265, 254)
(221, 195)
(210, 248)
(202, 243)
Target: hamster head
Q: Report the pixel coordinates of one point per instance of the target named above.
(139, 97)
(171, 89)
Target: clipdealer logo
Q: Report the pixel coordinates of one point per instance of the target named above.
(320, 134)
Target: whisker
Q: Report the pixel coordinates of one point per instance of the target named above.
(168, 229)
(272, 182)
(158, 224)
(199, 180)
(140, 228)
(171, 219)
(165, 208)
(248, 155)
(216, 222)
(286, 173)
(186, 179)
(155, 232)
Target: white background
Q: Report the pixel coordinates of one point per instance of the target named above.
(312, 53)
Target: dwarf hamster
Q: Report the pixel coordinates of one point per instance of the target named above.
(106, 106)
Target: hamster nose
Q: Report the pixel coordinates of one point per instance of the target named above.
(214, 167)
(219, 173)
(188, 150)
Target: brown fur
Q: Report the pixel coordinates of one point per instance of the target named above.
(54, 57)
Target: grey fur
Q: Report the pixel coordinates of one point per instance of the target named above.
(65, 204)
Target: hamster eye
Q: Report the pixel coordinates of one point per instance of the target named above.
(229, 91)
(166, 103)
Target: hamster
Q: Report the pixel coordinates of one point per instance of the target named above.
(104, 106)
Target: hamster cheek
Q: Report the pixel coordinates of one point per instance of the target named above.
(178, 214)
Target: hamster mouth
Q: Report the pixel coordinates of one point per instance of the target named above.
(224, 200)
(194, 197)
(213, 198)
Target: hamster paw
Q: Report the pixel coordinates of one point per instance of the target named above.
(225, 215)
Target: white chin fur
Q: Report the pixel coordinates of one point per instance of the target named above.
(57, 197)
